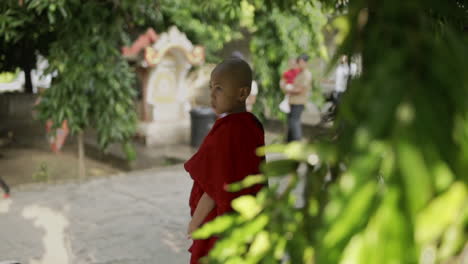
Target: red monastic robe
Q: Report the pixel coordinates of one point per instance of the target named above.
(226, 155)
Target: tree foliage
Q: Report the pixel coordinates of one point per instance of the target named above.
(94, 87)
(279, 34)
(81, 41)
(391, 187)
(202, 25)
(21, 38)
(276, 33)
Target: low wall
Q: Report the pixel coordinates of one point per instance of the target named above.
(15, 106)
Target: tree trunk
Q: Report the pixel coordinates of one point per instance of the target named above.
(28, 87)
(81, 162)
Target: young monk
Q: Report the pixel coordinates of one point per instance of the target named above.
(227, 154)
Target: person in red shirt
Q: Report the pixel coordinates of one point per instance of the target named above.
(290, 75)
(228, 153)
(287, 84)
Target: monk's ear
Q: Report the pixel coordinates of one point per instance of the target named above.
(244, 92)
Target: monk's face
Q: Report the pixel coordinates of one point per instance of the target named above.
(226, 96)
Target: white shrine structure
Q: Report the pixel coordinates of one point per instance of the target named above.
(162, 67)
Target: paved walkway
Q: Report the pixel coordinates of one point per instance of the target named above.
(134, 218)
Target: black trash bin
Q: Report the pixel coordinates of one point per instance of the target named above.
(202, 119)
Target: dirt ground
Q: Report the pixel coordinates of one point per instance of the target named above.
(26, 158)
(26, 165)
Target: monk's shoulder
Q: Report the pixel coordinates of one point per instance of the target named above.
(247, 125)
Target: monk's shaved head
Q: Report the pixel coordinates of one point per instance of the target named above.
(237, 71)
(230, 86)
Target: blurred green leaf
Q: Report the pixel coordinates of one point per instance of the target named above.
(260, 245)
(278, 167)
(443, 176)
(249, 181)
(342, 25)
(247, 206)
(353, 253)
(214, 227)
(442, 211)
(273, 148)
(350, 218)
(415, 175)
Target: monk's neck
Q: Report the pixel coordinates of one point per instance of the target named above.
(238, 109)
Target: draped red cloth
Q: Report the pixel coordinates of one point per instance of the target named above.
(226, 155)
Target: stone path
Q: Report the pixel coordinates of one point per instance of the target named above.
(134, 218)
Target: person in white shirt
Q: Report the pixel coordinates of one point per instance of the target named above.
(343, 72)
(341, 75)
(252, 97)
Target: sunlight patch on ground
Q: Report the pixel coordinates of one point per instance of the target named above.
(56, 246)
(173, 241)
(5, 205)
